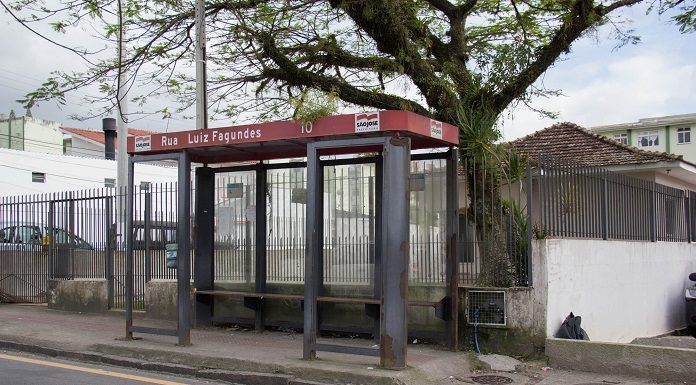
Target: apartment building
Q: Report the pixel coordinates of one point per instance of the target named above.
(670, 134)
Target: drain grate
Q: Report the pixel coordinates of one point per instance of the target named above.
(492, 380)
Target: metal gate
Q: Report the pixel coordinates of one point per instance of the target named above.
(52, 236)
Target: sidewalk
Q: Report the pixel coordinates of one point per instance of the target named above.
(252, 358)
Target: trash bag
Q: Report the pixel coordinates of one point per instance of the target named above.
(570, 329)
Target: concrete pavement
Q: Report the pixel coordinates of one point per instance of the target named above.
(242, 356)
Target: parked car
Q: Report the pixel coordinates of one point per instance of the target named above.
(38, 235)
(161, 233)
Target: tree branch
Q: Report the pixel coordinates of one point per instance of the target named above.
(290, 73)
(385, 25)
(581, 17)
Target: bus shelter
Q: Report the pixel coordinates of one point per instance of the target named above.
(392, 135)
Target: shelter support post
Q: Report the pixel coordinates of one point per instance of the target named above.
(395, 253)
(377, 289)
(183, 236)
(312, 253)
(260, 279)
(204, 261)
(452, 268)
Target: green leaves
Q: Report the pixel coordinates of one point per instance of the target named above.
(461, 62)
(58, 26)
(312, 105)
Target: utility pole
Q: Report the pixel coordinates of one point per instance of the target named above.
(121, 124)
(201, 72)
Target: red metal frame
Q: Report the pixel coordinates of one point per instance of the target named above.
(291, 137)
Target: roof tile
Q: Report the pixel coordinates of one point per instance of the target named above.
(570, 142)
(98, 136)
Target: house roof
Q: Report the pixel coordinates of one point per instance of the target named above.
(570, 142)
(98, 136)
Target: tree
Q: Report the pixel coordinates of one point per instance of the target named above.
(435, 57)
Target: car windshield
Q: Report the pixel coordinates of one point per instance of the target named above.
(20, 234)
(60, 236)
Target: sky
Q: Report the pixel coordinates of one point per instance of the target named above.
(600, 84)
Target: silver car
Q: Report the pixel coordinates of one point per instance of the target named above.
(34, 236)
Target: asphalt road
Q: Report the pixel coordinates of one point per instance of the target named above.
(21, 369)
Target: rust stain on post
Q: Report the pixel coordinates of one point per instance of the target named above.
(387, 356)
(395, 141)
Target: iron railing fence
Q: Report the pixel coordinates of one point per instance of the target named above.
(577, 201)
(58, 236)
(80, 234)
(89, 231)
(494, 236)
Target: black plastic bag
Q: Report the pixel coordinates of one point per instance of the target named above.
(570, 329)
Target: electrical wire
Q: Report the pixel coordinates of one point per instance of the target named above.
(25, 25)
(46, 144)
(55, 175)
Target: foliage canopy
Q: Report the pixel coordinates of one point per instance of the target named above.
(434, 57)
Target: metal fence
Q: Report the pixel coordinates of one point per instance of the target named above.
(81, 234)
(589, 202)
(503, 206)
(39, 240)
(494, 236)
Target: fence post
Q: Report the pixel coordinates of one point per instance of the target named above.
(687, 212)
(109, 251)
(605, 207)
(529, 224)
(71, 230)
(146, 235)
(653, 235)
(541, 177)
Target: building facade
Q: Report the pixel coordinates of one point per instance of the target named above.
(670, 134)
(26, 173)
(26, 133)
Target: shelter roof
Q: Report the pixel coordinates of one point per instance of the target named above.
(570, 142)
(286, 139)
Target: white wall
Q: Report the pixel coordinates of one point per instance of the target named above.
(65, 173)
(43, 136)
(622, 289)
(86, 148)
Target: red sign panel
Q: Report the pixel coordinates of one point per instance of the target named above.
(441, 134)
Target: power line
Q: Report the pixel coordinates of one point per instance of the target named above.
(52, 174)
(41, 143)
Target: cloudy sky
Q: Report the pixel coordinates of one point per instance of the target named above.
(600, 85)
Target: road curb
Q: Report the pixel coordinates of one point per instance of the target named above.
(314, 376)
(658, 362)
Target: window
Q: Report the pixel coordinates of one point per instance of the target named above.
(683, 135)
(623, 138)
(27, 234)
(67, 145)
(648, 139)
(109, 182)
(38, 177)
(7, 234)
